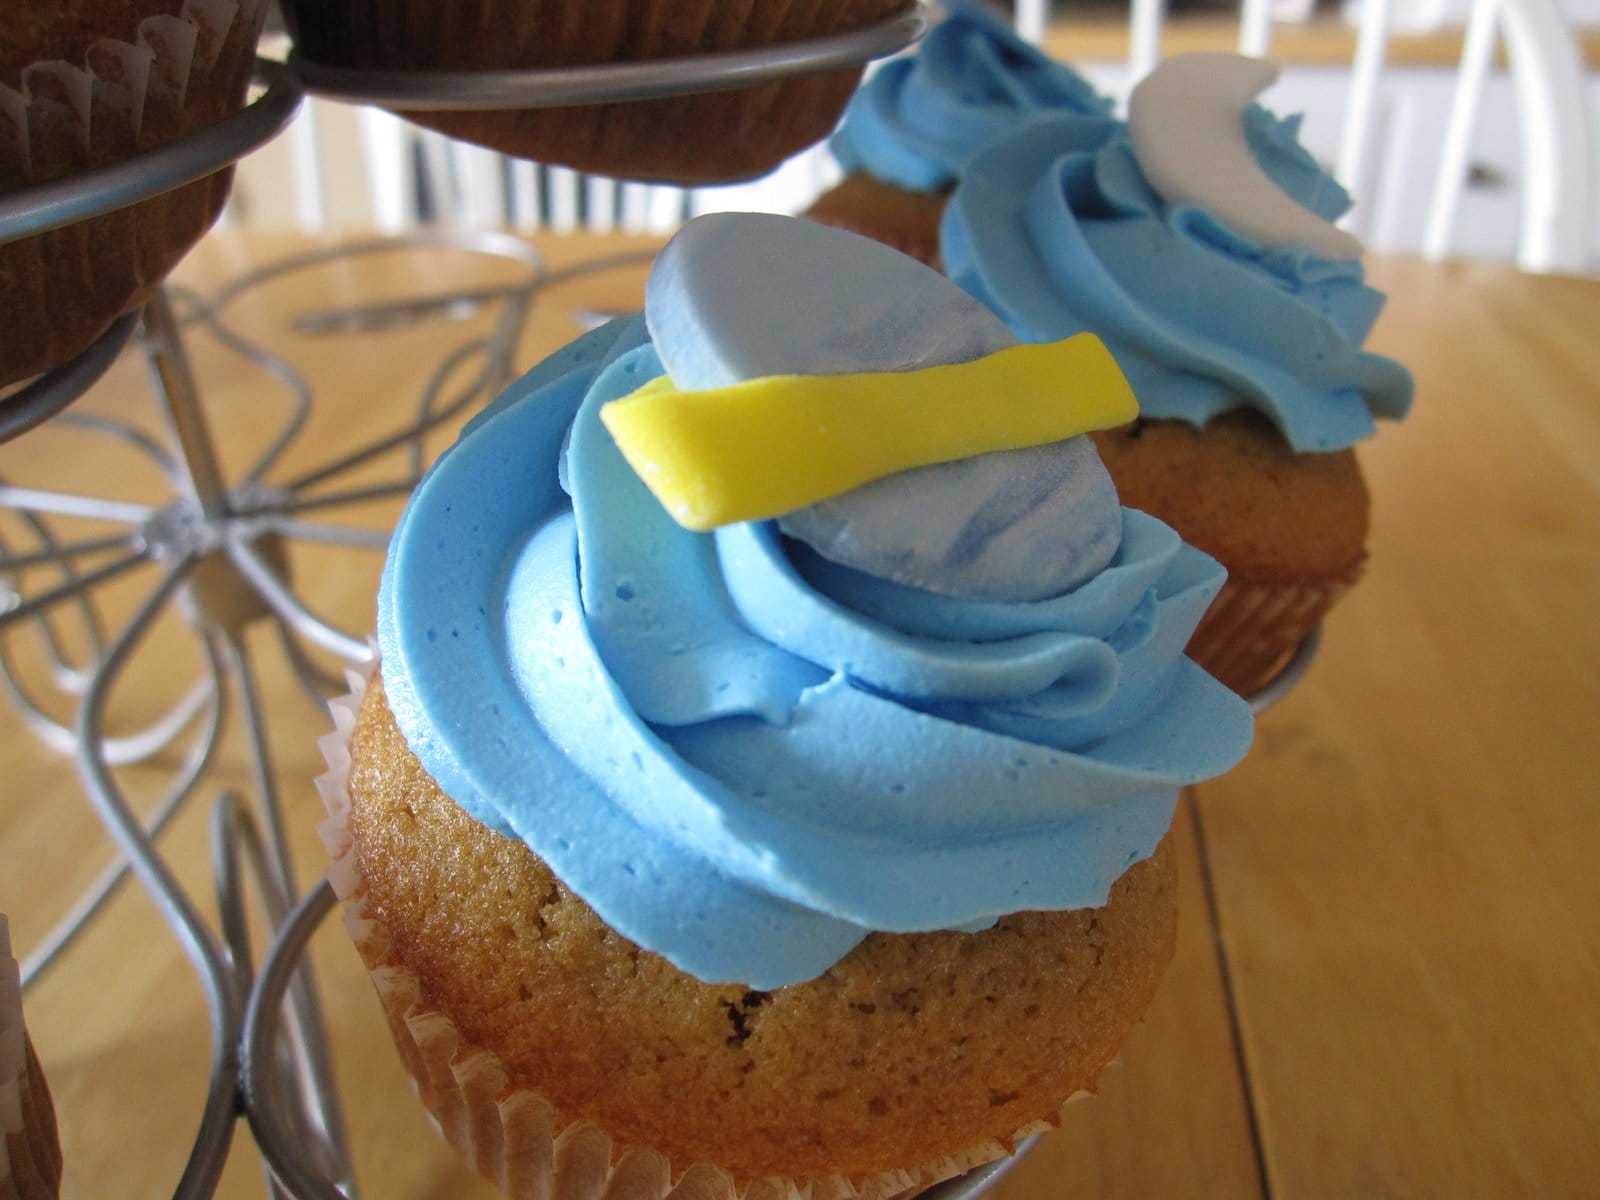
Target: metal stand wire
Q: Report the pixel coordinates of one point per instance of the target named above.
(215, 546)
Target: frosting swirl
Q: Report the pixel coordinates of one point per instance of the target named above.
(1056, 228)
(746, 757)
(919, 118)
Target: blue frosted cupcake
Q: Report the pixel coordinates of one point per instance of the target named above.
(1203, 253)
(918, 120)
(769, 772)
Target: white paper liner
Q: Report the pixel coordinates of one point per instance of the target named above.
(30, 1155)
(513, 1137)
(118, 81)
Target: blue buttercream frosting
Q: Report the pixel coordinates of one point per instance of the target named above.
(919, 118)
(1055, 227)
(746, 758)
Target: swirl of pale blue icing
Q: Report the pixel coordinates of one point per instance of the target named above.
(1056, 229)
(918, 119)
(745, 757)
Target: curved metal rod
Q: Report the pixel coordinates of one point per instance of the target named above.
(591, 266)
(500, 347)
(1288, 676)
(484, 241)
(135, 747)
(609, 82)
(53, 391)
(260, 1084)
(487, 242)
(35, 605)
(278, 368)
(408, 435)
(276, 870)
(316, 683)
(122, 431)
(233, 834)
(383, 314)
(431, 414)
(104, 887)
(234, 837)
(980, 1179)
(329, 535)
(299, 504)
(65, 551)
(277, 596)
(210, 1148)
(119, 751)
(67, 677)
(41, 207)
(65, 504)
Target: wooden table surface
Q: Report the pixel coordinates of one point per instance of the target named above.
(1388, 976)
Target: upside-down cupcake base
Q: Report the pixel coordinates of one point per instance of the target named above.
(556, 1055)
(710, 137)
(83, 87)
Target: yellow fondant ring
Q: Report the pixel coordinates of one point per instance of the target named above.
(769, 446)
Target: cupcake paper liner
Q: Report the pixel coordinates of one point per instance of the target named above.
(30, 1153)
(707, 138)
(1251, 628)
(512, 1135)
(177, 74)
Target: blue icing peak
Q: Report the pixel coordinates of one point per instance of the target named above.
(1056, 229)
(919, 118)
(745, 756)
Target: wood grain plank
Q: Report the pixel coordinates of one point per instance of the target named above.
(1169, 1119)
(1405, 862)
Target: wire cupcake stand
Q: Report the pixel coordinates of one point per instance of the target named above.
(218, 546)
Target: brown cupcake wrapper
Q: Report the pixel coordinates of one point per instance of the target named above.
(30, 1151)
(178, 73)
(513, 1136)
(1251, 628)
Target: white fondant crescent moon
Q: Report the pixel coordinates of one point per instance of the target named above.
(1186, 123)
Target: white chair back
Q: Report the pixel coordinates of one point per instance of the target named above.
(1469, 159)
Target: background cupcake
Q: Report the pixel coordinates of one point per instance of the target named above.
(1243, 347)
(87, 82)
(917, 121)
(707, 138)
(30, 1154)
(854, 880)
